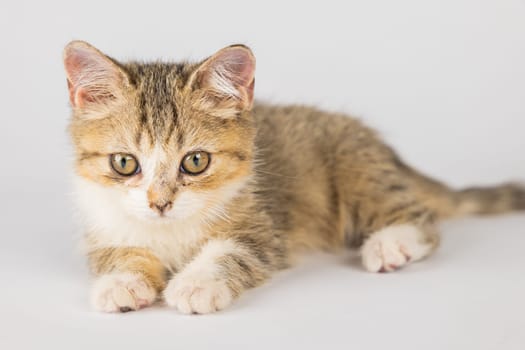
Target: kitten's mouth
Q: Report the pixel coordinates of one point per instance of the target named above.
(162, 217)
(154, 217)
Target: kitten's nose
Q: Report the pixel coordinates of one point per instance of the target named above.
(161, 207)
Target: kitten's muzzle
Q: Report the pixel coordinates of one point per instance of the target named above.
(161, 196)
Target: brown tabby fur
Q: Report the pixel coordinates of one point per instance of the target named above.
(318, 180)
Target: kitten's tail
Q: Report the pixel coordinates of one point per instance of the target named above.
(448, 203)
(492, 200)
(488, 200)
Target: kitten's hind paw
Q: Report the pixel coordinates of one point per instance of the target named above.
(121, 292)
(393, 247)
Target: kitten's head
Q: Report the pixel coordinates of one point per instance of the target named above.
(162, 140)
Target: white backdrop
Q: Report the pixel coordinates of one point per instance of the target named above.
(444, 82)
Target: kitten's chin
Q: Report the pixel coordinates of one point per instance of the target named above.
(155, 218)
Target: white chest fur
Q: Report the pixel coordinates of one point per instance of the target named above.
(104, 217)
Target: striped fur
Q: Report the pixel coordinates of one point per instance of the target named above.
(281, 180)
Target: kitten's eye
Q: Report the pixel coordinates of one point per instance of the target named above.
(124, 164)
(195, 163)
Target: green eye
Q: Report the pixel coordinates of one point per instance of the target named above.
(124, 164)
(195, 163)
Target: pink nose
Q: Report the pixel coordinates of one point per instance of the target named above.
(161, 208)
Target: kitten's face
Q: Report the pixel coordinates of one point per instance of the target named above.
(163, 141)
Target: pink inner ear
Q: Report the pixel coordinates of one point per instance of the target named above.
(71, 90)
(231, 73)
(91, 76)
(240, 63)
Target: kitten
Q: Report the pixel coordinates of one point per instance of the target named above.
(191, 192)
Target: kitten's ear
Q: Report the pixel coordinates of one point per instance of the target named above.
(228, 75)
(92, 77)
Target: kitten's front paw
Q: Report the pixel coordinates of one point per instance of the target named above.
(121, 292)
(197, 294)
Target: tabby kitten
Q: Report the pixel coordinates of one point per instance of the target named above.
(191, 192)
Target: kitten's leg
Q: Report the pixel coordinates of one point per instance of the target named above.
(127, 278)
(394, 246)
(217, 275)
